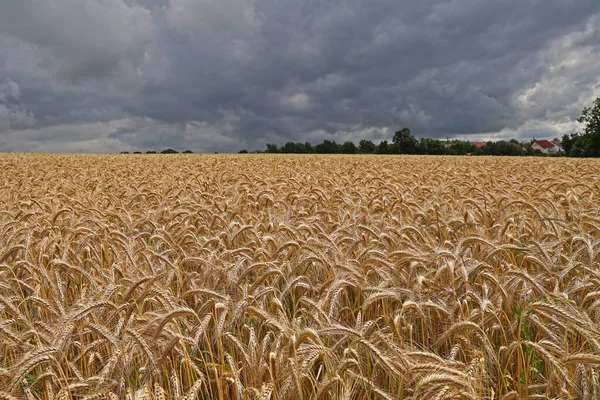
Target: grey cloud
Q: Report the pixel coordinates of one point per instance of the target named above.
(12, 113)
(81, 39)
(9, 89)
(219, 75)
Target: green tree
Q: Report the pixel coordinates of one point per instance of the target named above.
(578, 148)
(461, 148)
(289, 147)
(568, 141)
(244, 151)
(300, 148)
(366, 146)
(188, 152)
(502, 148)
(384, 147)
(590, 118)
(349, 148)
(405, 142)
(272, 148)
(432, 146)
(169, 151)
(327, 147)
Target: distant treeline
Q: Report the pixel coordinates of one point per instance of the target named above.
(581, 144)
(166, 151)
(404, 142)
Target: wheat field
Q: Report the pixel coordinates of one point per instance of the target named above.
(299, 277)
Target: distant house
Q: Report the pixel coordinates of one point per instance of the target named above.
(558, 143)
(478, 144)
(546, 146)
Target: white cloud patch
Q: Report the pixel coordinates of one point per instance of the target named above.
(299, 102)
(570, 80)
(88, 138)
(355, 134)
(9, 89)
(533, 129)
(205, 137)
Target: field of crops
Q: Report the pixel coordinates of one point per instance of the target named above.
(299, 277)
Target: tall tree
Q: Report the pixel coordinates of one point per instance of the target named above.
(384, 147)
(432, 146)
(568, 141)
(349, 147)
(272, 148)
(327, 147)
(366, 146)
(289, 147)
(405, 142)
(590, 118)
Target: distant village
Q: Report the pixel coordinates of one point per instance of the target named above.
(545, 146)
(404, 142)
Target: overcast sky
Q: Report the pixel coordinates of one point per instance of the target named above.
(225, 75)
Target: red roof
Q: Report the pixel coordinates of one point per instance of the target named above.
(478, 144)
(545, 144)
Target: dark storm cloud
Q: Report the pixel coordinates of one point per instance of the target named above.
(229, 74)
